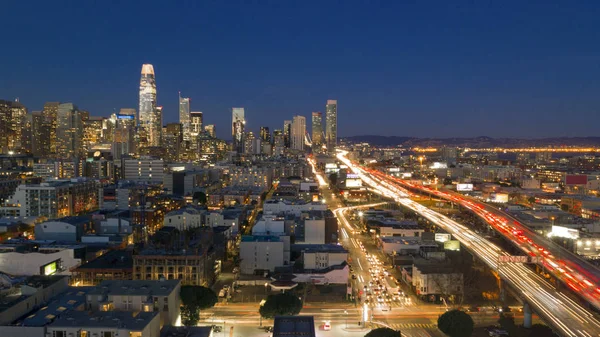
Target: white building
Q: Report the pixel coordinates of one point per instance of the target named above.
(323, 256)
(292, 207)
(104, 324)
(143, 169)
(115, 226)
(436, 279)
(254, 176)
(332, 275)
(401, 230)
(269, 224)
(185, 218)
(403, 245)
(262, 253)
(68, 229)
(314, 231)
(298, 133)
(45, 260)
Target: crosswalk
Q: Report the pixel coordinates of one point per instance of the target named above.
(401, 326)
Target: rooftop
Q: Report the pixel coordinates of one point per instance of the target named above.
(260, 238)
(72, 299)
(185, 331)
(324, 248)
(73, 220)
(135, 287)
(116, 259)
(135, 321)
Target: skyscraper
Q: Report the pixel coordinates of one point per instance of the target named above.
(265, 134)
(210, 130)
(124, 140)
(184, 116)
(238, 125)
(69, 131)
(40, 135)
(331, 124)
(287, 132)
(298, 132)
(150, 119)
(50, 112)
(195, 126)
(317, 129)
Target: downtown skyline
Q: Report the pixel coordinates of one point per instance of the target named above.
(449, 72)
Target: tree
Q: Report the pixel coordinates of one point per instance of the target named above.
(564, 207)
(383, 332)
(284, 304)
(456, 323)
(201, 197)
(540, 330)
(194, 299)
(333, 179)
(447, 181)
(507, 323)
(531, 200)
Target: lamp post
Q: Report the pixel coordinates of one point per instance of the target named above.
(346, 312)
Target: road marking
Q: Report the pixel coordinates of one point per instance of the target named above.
(358, 260)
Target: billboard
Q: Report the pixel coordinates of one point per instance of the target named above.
(406, 175)
(498, 197)
(564, 232)
(464, 187)
(442, 237)
(452, 245)
(119, 116)
(50, 268)
(576, 179)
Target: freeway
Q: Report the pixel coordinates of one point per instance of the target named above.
(566, 316)
(581, 276)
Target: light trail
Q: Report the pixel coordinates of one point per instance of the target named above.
(568, 317)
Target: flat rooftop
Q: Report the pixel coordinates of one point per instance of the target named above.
(135, 287)
(294, 326)
(185, 331)
(135, 321)
(72, 299)
(115, 259)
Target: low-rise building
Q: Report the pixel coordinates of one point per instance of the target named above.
(114, 265)
(111, 323)
(37, 259)
(436, 279)
(192, 266)
(138, 296)
(67, 229)
(317, 257)
(263, 253)
(296, 207)
(185, 218)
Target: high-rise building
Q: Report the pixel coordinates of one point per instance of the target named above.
(331, 124)
(12, 116)
(150, 119)
(92, 131)
(50, 113)
(69, 131)
(298, 132)
(40, 135)
(184, 116)
(195, 127)
(109, 126)
(287, 132)
(265, 134)
(124, 140)
(249, 143)
(173, 141)
(278, 143)
(210, 129)
(317, 129)
(238, 126)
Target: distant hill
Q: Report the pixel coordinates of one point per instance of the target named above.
(475, 142)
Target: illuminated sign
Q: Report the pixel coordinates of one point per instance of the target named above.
(438, 165)
(464, 187)
(442, 237)
(452, 245)
(50, 268)
(564, 232)
(125, 116)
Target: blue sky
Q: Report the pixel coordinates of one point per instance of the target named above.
(405, 68)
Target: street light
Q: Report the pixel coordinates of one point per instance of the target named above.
(346, 312)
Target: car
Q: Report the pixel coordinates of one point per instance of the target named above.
(353, 276)
(268, 328)
(327, 326)
(217, 328)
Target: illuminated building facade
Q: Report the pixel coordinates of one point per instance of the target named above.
(331, 124)
(317, 129)
(69, 131)
(184, 116)
(12, 114)
(50, 114)
(265, 134)
(173, 141)
(124, 139)
(298, 132)
(210, 129)
(150, 119)
(238, 125)
(287, 133)
(92, 132)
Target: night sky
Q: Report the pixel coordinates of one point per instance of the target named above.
(433, 69)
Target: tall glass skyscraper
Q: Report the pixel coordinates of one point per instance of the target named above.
(298, 131)
(184, 116)
(331, 125)
(317, 129)
(150, 119)
(238, 125)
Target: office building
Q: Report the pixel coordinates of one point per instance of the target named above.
(92, 131)
(331, 124)
(69, 131)
(317, 129)
(50, 114)
(191, 266)
(210, 130)
(298, 133)
(184, 116)
(238, 126)
(150, 118)
(12, 115)
(249, 142)
(143, 169)
(278, 142)
(124, 135)
(173, 142)
(265, 134)
(287, 133)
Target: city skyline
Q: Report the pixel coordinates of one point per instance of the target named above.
(447, 73)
